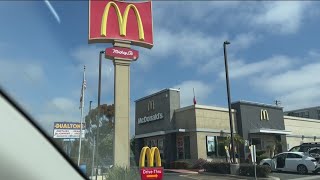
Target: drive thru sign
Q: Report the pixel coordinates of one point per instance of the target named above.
(155, 173)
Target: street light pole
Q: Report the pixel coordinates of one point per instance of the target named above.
(229, 99)
(99, 98)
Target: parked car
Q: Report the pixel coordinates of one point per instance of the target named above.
(293, 161)
(305, 147)
(315, 153)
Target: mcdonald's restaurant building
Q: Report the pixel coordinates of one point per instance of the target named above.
(199, 131)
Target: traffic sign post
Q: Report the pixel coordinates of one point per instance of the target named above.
(155, 173)
(254, 158)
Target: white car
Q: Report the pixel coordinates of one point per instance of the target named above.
(292, 161)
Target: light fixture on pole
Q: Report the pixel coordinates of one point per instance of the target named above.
(229, 100)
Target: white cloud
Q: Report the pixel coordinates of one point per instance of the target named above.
(89, 56)
(290, 80)
(57, 109)
(34, 72)
(244, 40)
(193, 48)
(205, 13)
(62, 104)
(152, 91)
(301, 98)
(295, 86)
(202, 92)
(29, 72)
(281, 16)
(278, 17)
(239, 69)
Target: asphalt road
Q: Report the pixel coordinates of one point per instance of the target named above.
(295, 176)
(281, 175)
(179, 176)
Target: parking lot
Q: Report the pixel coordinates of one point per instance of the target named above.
(280, 175)
(295, 176)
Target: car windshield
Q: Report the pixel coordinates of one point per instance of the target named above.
(196, 82)
(295, 149)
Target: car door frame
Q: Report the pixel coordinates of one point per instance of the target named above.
(292, 163)
(276, 163)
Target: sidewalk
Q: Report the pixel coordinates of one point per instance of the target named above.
(185, 171)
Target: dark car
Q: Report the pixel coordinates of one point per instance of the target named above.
(305, 147)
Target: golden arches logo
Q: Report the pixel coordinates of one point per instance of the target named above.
(152, 154)
(122, 20)
(264, 115)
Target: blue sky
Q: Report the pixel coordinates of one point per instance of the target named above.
(274, 54)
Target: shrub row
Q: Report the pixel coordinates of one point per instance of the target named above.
(217, 167)
(222, 167)
(184, 164)
(244, 170)
(248, 170)
(180, 165)
(198, 164)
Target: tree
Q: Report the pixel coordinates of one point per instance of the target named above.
(105, 138)
(104, 115)
(237, 139)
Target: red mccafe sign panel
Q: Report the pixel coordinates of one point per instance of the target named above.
(123, 53)
(155, 173)
(120, 20)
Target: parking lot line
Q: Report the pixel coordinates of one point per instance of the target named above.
(308, 178)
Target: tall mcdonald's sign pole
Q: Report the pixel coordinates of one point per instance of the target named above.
(123, 24)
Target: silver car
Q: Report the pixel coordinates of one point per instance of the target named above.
(293, 161)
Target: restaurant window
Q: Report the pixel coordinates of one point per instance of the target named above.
(211, 145)
(318, 112)
(257, 142)
(221, 146)
(307, 114)
(160, 147)
(187, 154)
(180, 147)
(183, 147)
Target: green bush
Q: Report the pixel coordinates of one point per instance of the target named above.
(180, 165)
(259, 158)
(248, 170)
(199, 164)
(120, 173)
(217, 167)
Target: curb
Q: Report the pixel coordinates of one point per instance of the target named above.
(240, 177)
(179, 171)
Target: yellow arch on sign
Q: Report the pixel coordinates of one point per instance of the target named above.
(151, 154)
(122, 20)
